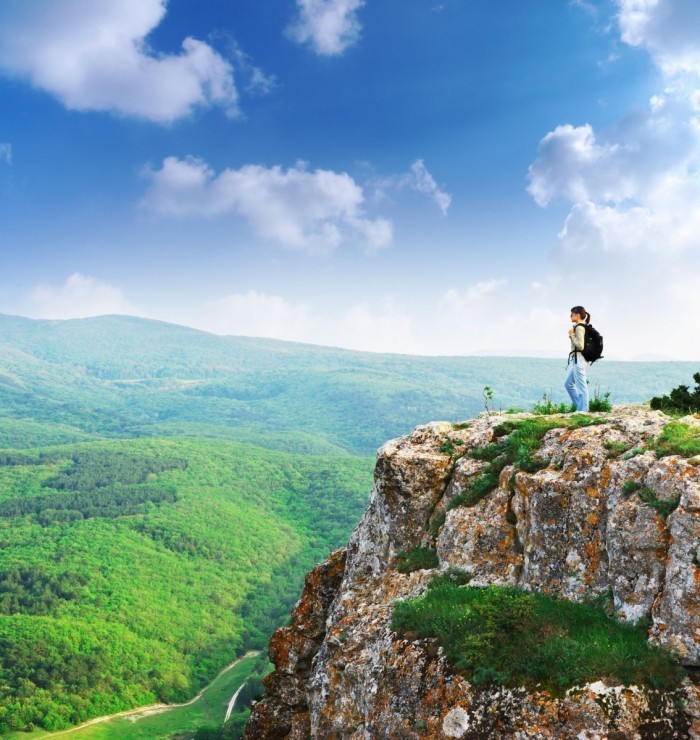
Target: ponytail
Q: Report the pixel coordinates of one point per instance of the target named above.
(581, 311)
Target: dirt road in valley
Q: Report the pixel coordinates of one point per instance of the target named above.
(134, 715)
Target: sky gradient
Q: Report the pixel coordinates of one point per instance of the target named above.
(425, 177)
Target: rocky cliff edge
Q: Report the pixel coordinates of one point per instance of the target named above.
(568, 529)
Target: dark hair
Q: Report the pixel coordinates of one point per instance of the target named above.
(581, 311)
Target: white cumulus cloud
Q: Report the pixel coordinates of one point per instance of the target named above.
(94, 55)
(79, 297)
(6, 152)
(667, 28)
(572, 165)
(631, 239)
(312, 211)
(634, 186)
(328, 26)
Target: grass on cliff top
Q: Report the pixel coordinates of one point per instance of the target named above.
(599, 402)
(678, 439)
(523, 439)
(510, 637)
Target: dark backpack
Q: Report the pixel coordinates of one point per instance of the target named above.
(592, 344)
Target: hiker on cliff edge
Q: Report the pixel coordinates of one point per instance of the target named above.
(575, 382)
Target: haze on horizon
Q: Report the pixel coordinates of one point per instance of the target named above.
(427, 178)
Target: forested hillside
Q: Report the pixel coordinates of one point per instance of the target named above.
(131, 572)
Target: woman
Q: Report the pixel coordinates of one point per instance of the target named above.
(575, 382)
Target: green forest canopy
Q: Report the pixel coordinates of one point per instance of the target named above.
(114, 595)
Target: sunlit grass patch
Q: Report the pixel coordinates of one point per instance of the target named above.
(512, 637)
(678, 439)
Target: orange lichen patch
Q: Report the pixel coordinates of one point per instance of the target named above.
(279, 647)
(591, 573)
(605, 476)
(593, 492)
(592, 518)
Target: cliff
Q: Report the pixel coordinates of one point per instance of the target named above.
(568, 520)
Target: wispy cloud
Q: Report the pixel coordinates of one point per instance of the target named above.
(251, 78)
(574, 166)
(485, 316)
(417, 179)
(422, 181)
(79, 296)
(95, 56)
(6, 152)
(376, 328)
(587, 6)
(313, 211)
(329, 27)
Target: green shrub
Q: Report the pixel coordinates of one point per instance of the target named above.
(546, 406)
(524, 436)
(577, 421)
(481, 487)
(490, 452)
(511, 637)
(449, 447)
(663, 506)
(451, 576)
(600, 403)
(419, 558)
(681, 400)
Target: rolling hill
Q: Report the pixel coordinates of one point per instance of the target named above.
(164, 490)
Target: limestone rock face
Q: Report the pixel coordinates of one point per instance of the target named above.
(568, 530)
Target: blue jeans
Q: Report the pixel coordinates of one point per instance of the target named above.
(575, 382)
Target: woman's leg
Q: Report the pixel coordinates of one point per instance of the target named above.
(581, 385)
(570, 383)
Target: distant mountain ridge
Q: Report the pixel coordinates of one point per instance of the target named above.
(129, 377)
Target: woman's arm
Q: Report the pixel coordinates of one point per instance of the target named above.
(579, 337)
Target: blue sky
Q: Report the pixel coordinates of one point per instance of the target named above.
(440, 177)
